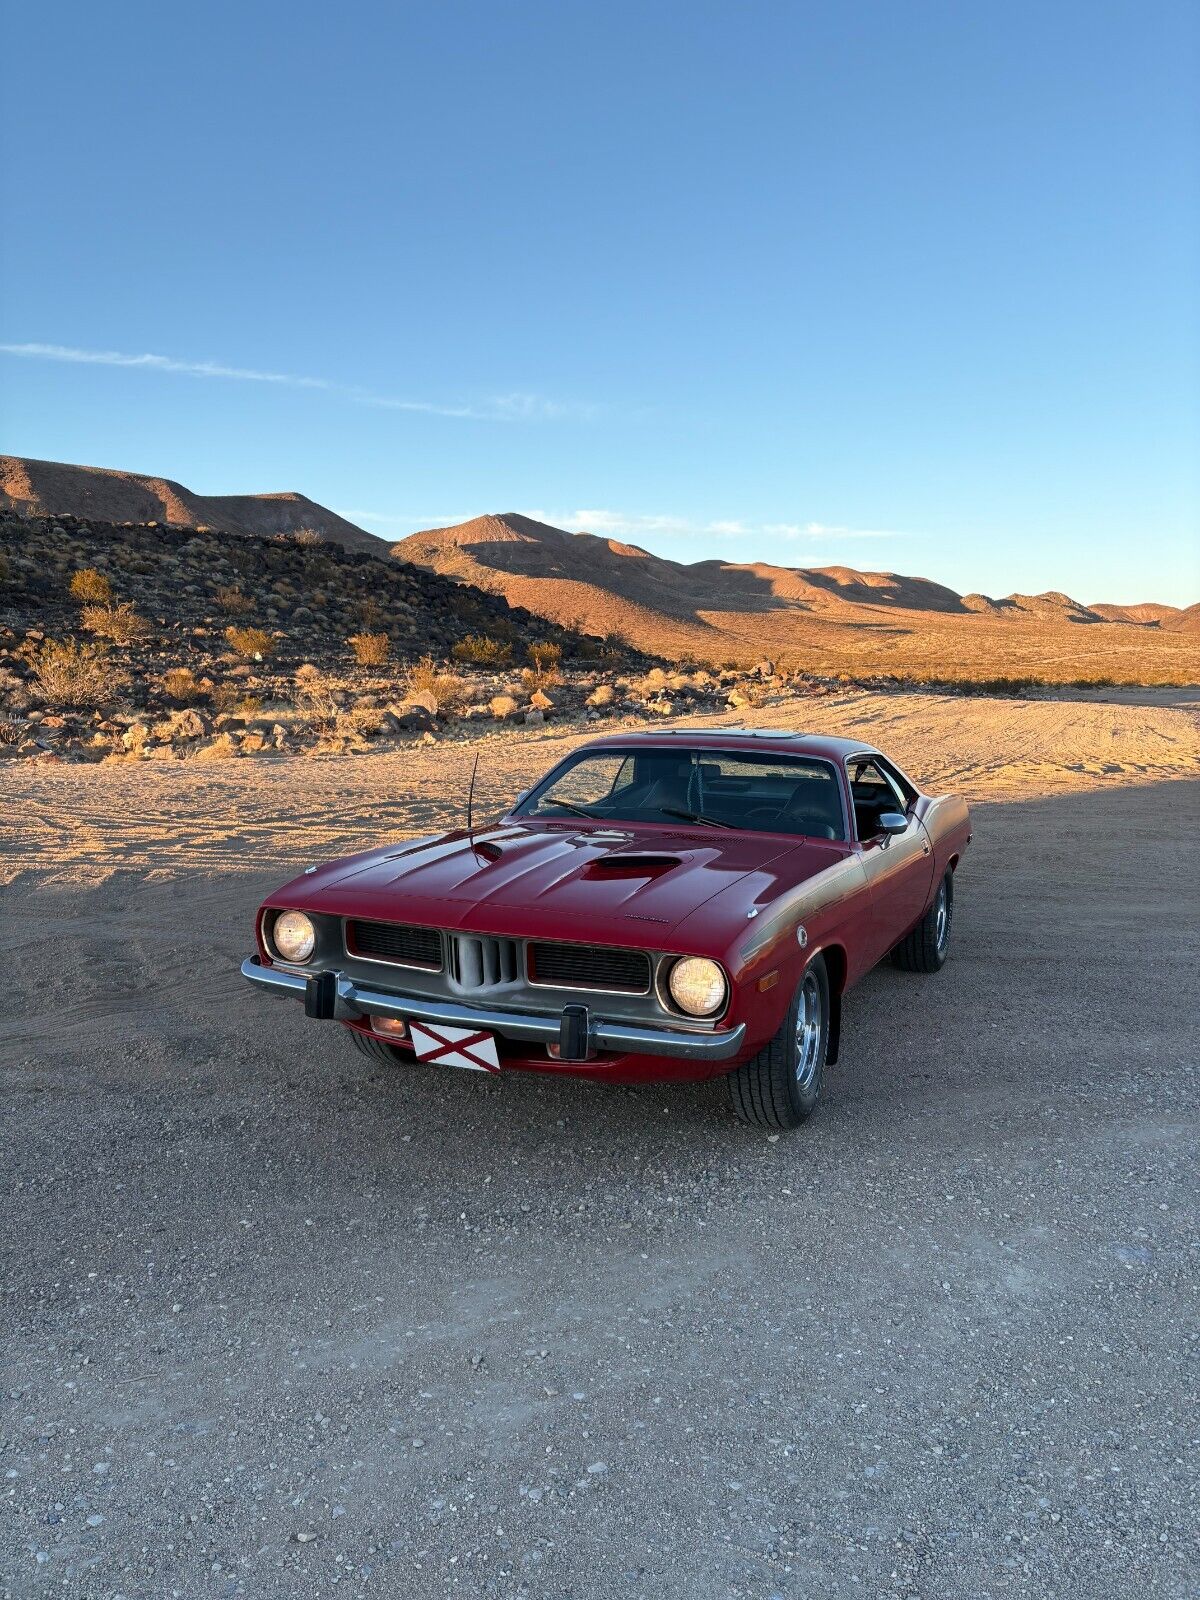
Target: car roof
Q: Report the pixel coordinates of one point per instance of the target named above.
(783, 740)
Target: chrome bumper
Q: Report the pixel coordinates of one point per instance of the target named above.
(344, 1000)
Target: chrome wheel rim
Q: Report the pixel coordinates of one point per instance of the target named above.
(941, 918)
(808, 1032)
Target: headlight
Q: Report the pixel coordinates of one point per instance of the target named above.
(294, 936)
(697, 986)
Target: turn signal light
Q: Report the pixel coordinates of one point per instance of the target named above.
(396, 1026)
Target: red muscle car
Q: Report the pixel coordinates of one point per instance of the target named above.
(661, 905)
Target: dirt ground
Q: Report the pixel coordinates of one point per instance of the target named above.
(280, 1323)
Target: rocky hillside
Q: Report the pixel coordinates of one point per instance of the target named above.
(55, 489)
(109, 627)
(819, 618)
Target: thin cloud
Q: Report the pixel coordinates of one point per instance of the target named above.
(512, 407)
(827, 530)
(634, 524)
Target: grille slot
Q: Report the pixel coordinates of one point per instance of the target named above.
(477, 961)
(393, 941)
(589, 966)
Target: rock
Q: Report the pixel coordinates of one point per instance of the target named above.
(187, 724)
(135, 735)
(534, 717)
(540, 701)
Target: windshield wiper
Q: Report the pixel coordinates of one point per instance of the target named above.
(569, 805)
(695, 816)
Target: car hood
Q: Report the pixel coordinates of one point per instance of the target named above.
(608, 886)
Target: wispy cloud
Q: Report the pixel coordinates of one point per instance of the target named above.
(516, 406)
(633, 525)
(828, 530)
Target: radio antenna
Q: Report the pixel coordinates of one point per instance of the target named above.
(471, 802)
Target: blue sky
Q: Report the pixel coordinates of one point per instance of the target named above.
(897, 286)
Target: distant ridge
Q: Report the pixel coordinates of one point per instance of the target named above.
(55, 489)
(828, 617)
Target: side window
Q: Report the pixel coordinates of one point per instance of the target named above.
(898, 782)
(874, 792)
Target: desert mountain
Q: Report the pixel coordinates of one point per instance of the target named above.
(52, 488)
(823, 617)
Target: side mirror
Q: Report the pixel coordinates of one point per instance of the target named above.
(892, 822)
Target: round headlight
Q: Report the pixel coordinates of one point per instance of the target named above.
(697, 986)
(294, 936)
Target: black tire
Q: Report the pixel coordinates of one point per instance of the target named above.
(376, 1050)
(924, 950)
(780, 1087)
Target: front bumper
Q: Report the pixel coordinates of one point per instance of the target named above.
(577, 1033)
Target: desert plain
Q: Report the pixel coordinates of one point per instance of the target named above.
(281, 1323)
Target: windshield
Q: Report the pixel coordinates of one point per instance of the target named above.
(766, 793)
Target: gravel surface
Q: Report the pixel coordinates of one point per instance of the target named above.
(285, 1324)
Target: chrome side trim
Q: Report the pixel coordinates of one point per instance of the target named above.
(355, 1000)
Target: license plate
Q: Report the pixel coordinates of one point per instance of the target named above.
(454, 1047)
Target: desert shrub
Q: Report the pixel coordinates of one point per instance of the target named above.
(366, 721)
(90, 587)
(602, 695)
(615, 644)
(482, 651)
(370, 649)
(232, 601)
(179, 683)
(502, 705)
(534, 678)
(370, 612)
(544, 654)
(316, 696)
(250, 642)
(122, 623)
(74, 674)
(447, 689)
(232, 698)
(307, 537)
(13, 692)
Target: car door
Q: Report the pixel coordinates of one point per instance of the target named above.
(899, 867)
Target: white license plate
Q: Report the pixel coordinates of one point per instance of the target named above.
(454, 1047)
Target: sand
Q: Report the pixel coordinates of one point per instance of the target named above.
(70, 823)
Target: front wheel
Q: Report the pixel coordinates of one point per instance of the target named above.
(780, 1087)
(378, 1050)
(924, 950)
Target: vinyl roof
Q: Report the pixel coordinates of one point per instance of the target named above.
(783, 739)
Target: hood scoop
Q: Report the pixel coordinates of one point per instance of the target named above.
(631, 864)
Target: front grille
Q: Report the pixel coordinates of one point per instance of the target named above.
(477, 961)
(394, 941)
(589, 966)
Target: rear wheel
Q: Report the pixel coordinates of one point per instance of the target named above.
(780, 1087)
(924, 950)
(377, 1050)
